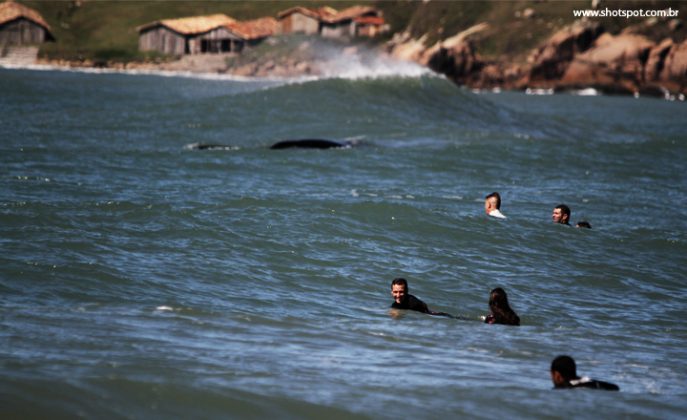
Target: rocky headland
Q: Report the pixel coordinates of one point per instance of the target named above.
(579, 56)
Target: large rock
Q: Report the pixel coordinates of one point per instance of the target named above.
(455, 57)
(404, 47)
(674, 73)
(458, 62)
(613, 63)
(550, 61)
(656, 61)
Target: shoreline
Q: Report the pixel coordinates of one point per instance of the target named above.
(195, 67)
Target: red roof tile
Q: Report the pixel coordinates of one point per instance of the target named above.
(192, 25)
(350, 13)
(369, 20)
(255, 29)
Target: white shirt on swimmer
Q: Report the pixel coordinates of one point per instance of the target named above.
(497, 213)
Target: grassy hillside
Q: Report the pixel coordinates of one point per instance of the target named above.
(106, 29)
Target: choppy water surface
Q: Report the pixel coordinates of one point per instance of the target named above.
(141, 279)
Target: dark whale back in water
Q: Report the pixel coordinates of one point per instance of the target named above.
(283, 144)
(308, 144)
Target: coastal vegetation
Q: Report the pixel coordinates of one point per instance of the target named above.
(106, 30)
(496, 44)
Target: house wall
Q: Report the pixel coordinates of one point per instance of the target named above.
(163, 40)
(297, 22)
(216, 41)
(338, 30)
(21, 32)
(368, 30)
(166, 41)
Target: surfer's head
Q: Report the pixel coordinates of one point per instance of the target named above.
(561, 214)
(563, 370)
(583, 224)
(492, 202)
(500, 309)
(498, 299)
(399, 289)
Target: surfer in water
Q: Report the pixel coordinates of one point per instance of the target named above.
(492, 205)
(404, 300)
(500, 311)
(561, 214)
(564, 375)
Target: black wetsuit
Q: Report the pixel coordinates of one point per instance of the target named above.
(414, 304)
(492, 319)
(592, 384)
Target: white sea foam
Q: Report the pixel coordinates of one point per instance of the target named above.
(354, 64)
(586, 92)
(203, 146)
(531, 91)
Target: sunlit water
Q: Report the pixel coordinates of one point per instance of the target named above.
(141, 279)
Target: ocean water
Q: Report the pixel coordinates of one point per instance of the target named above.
(142, 279)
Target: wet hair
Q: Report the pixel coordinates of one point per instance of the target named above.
(565, 365)
(564, 209)
(497, 196)
(583, 224)
(500, 309)
(401, 281)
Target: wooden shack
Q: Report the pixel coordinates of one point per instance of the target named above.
(20, 25)
(331, 23)
(301, 20)
(191, 35)
(345, 22)
(370, 26)
(254, 31)
(203, 34)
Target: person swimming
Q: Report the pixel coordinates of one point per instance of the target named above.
(404, 300)
(492, 205)
(500, 311)
(564, 375)
(561, 214)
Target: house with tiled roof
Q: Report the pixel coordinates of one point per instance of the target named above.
(217, 33)
(303, 20)
(253, 31)
(345, 22)
(20, 25)
(189, 35)
(328, 22)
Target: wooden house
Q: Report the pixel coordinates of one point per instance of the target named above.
(190, 35)
(20, 25)
(328, 22)
(203, 34)
(345, 22)
(370, 26)
(254, 31)
(301, 20)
